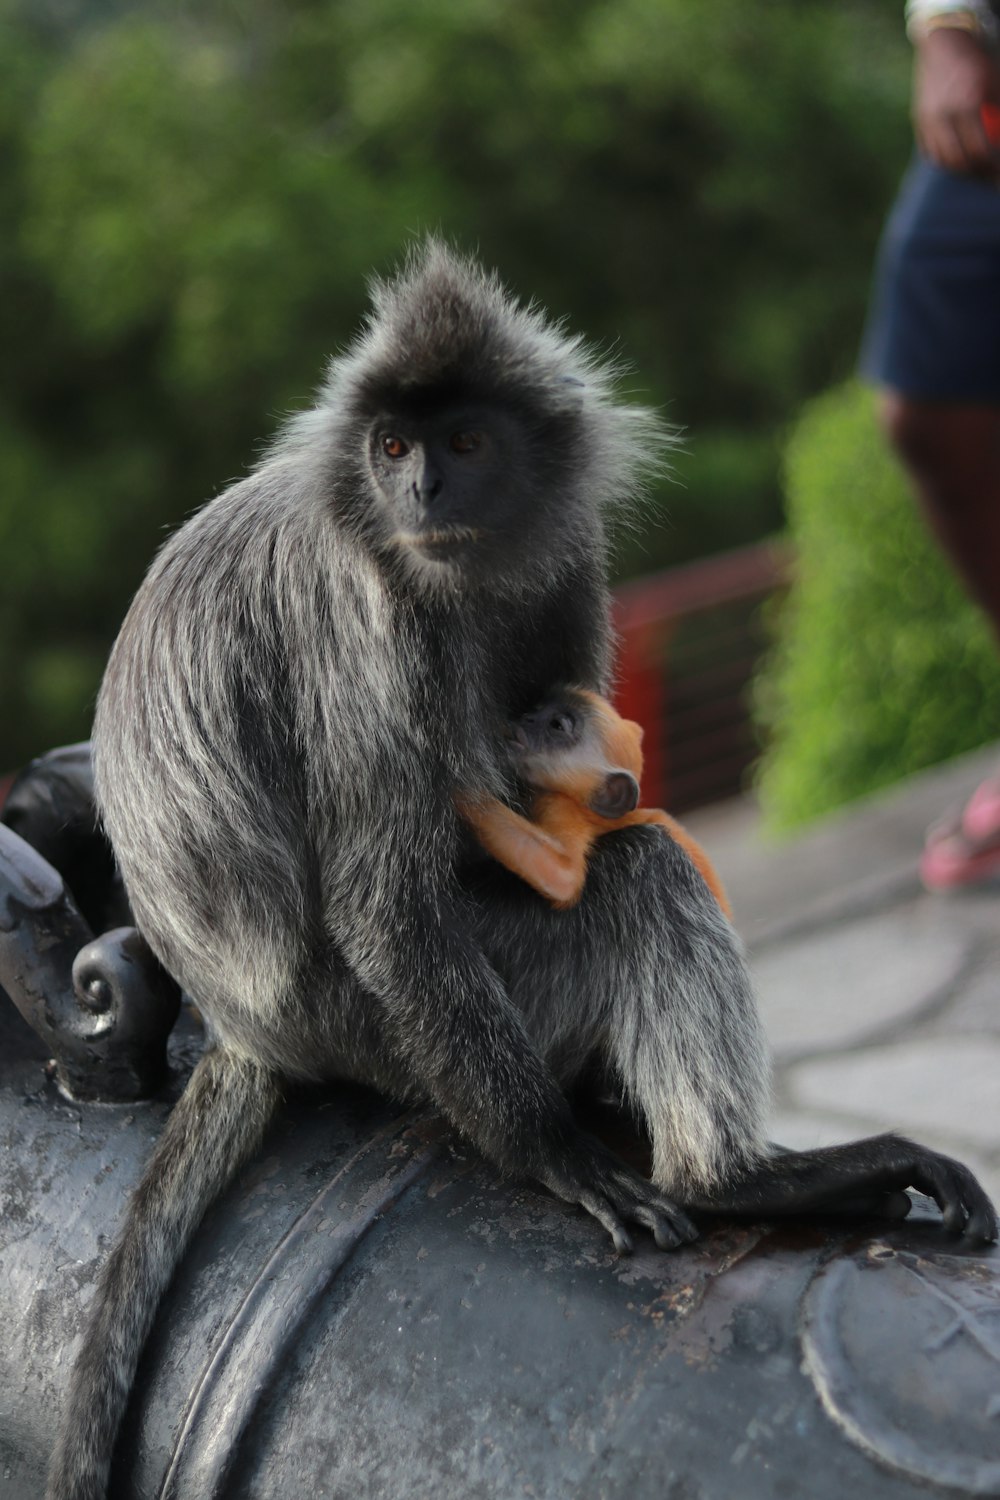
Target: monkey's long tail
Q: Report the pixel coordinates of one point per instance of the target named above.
(216, 1125)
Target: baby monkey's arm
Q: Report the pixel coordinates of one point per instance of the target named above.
(547, 852)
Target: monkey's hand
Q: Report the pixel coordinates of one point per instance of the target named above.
(613, 1193)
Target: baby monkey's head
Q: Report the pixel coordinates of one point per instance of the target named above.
(576, 744)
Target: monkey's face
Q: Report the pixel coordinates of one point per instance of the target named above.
(554, 729)
(457, 489)
(577, 744)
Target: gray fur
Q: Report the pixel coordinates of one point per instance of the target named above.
(300, 688)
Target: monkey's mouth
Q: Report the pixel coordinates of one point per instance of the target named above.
(453, 536)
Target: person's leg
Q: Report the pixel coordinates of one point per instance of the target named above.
(951, 453)
(932, 345)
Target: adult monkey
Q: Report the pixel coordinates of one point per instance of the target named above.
(314, 666)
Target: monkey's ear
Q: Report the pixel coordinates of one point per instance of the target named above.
(616, 795)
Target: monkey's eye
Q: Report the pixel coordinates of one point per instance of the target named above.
(465, 442)
(395, 447)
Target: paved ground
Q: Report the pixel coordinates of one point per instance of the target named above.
(882, 1002)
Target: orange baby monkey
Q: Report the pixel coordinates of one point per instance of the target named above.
(585, 762)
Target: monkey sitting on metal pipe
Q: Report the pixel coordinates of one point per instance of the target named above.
(316, 663)
(585, 760)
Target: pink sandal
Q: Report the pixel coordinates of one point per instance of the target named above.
(965, 850)
(981, 818)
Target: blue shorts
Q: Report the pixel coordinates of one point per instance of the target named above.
(933, 327)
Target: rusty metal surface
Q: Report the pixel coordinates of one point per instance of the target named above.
(370, 1312)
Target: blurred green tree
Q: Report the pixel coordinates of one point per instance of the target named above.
(881, 664)
(194, 195)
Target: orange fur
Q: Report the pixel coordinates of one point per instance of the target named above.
(549, 851)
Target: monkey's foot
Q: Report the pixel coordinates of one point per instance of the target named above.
(868, 1175)
(965, 1207)
(614, 1194)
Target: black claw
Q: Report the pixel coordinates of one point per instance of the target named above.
(954, 1214)
(982, 1223)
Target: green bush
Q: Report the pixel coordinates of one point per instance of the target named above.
(881, 665)
(192, 196)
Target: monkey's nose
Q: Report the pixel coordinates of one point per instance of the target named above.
(427, 488)
(617, 795)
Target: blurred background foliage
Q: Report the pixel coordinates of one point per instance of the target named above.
(193, 194)
(882, 665)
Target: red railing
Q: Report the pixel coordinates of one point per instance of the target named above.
(690, 638)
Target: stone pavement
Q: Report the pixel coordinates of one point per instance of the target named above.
(881, 1001)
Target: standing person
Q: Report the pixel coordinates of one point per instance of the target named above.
(933, 341)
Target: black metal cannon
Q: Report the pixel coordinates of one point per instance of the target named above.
(371, 1312)
(80, 975)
